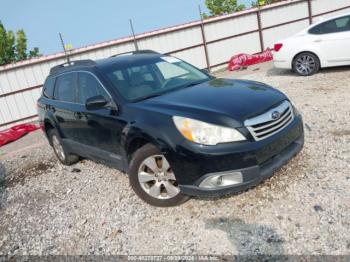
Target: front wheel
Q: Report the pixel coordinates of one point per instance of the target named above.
(153, 179)
(306, 64)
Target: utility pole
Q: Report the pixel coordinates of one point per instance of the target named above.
(64, 48)
(133, 34)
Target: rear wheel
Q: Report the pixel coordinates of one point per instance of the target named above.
(306, 64)
(63, 156)
(153, 179)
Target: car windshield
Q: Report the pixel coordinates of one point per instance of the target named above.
(146, 77)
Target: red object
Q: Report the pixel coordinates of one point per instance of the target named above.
(243, 60)
(16, 132)
(278, 47)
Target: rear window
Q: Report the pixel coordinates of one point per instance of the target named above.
(341, 24)
(49, 87)
(66, 87)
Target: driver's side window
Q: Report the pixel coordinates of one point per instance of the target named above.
(89, 86)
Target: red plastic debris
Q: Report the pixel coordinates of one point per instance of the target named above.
(16, 132)
(243, 60)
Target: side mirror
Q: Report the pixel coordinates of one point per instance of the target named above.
(205, 71)
(96, 102)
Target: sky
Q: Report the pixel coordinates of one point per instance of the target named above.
(85, 22)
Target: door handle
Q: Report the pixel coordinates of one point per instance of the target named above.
(78, 115)
(318, 40)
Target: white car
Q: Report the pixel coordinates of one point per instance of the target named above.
(323, 44)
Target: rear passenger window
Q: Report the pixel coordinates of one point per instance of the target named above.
(341, 24)
(65, 87)
(89, 87)
(49, 87)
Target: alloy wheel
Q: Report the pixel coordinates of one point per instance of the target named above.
(58, 148)
(157, 178)
(305, 64)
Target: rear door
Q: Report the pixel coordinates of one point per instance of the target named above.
(100, 129)
(64, 106)
(333, 39)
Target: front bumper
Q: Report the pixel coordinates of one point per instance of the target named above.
(251, 175)
(255, 160)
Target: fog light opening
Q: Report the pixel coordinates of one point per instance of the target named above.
(222, 180)
(219, 181)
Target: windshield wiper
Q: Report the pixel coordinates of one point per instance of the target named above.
(146, 97)
(195, 83)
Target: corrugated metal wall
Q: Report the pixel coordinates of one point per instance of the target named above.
(245, 32)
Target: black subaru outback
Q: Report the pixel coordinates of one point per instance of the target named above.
(176, 130)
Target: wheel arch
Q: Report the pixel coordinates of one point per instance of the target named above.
(311, 52)
(136, 138)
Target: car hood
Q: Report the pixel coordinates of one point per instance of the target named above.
(220, 101)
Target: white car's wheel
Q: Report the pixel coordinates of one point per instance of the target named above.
(306, 64)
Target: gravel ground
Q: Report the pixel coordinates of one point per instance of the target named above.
(47, 208)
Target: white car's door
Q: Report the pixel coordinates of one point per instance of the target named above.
(332, 38)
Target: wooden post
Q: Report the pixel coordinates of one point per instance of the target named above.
(204, 40)
(261, 36)
(309, 4)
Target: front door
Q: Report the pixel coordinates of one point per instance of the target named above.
(100, 129)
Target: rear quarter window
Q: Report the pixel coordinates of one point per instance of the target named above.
(65, 88)
(49, 86)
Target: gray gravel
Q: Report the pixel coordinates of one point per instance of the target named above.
(47, 208)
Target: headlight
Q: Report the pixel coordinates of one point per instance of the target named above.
(205, 133)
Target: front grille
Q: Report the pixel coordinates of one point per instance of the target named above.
(271, 122)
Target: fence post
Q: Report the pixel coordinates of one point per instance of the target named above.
(261, 37)
(309, 4)
(204, 40)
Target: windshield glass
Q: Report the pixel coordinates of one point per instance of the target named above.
(138, 79)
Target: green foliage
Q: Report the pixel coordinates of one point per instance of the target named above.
(34, 52)
(221, 7)
(3, 44)
(21, 46)
(14, 47)
(10, 47)
(264, 2)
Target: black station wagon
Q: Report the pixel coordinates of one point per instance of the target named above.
(176, 130)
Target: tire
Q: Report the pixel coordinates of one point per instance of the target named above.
(306, 64)
(154, 185)
(61, 153)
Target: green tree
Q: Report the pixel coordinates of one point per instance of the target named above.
(3, 44)
(14, 48)
(264, 2)
(21, 45)
(10, 47)
(34, 52)
(221, 7)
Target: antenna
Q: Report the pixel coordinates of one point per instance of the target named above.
(133, 33)
(64, 48)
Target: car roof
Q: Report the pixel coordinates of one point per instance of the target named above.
(321, 20)
(124, 58)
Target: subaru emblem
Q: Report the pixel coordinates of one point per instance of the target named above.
(275, 115)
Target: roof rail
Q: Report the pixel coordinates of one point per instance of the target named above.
(58, 68)
(138, 52)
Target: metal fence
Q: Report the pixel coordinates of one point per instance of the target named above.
(206, 45)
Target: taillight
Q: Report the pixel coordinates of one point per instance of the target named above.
(278, 47)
